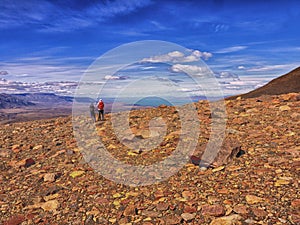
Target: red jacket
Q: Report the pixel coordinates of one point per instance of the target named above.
(100, 105)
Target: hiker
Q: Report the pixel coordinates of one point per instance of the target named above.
(100, 110)
(92, 111)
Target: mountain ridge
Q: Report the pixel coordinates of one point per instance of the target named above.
(287, 83)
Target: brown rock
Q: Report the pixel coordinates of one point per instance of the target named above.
(29, 162)
(172, 219)
(188, 216)
(284, 108)
(189, 209)
(147, 223)
(240, 209)
(259, 212)
(213, 210)
(49, 177)
(51, 205)
(227, 220)
(252, 199)
(295, 219)
(295, 203)
(15, 220)
(162, 206)
(187, 195)
(150, 213)
(130, 210)
(228, 151)
(16, 148)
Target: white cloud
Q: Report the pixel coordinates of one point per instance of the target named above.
(270, 67)
(241, 67)
(232, 49)
(190, 69)
(109, 77)
(179, 57)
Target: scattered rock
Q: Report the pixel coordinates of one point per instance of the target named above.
(15, 220)
(213, 210)
(51, 205)
(259, 212)
(284, 108)
(240, 209)
(76, 173)
(188, 216)
(49, 177)
(295, 203)
(29, 162)
(172, 219)
(227, 220)
(252, 199)
(130, 210)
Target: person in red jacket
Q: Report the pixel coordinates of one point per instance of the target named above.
(100, 107)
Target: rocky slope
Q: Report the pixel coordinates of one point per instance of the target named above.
(284, 84)
(44, 179)
(8, 101)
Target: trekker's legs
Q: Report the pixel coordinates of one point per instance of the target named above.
(101, 114)
(93, 116)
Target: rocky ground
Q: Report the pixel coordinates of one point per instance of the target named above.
(45, 180)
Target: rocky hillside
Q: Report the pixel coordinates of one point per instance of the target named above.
(287, 83)
(10, 101)
(45, 180)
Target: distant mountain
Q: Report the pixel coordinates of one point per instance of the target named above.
(287, 83)
(9, 101)
(38, 100)
(44, 98)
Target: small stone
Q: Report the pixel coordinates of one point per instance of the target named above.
(49, 177)
(162, 206)
(172, 220)
(227, 220)
(76, 173)
(15, 220)
(188, 216)
(252, 199)
(259, 212)
(112, 220)
(189, 209)
(29, 162)
(218, 169)
(281, 182)
(38, 147)
(213, 210)
(16, 148)
(240, 209)
(50, 205)
(295, 203)
(130, 210)
(150, 213)
(187, 194)
(284, 108)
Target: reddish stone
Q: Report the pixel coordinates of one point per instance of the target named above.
(15, 220)
(162, 206)
(102, 201)
(29, 162)
(172, 219)
(189, 209)
(295, 203)
(259, 212)
(213, 210)
(240, 209)
(130, 210)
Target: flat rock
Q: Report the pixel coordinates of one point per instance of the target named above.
(227, 220)
(213, 210)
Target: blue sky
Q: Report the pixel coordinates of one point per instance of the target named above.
(57, 40)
